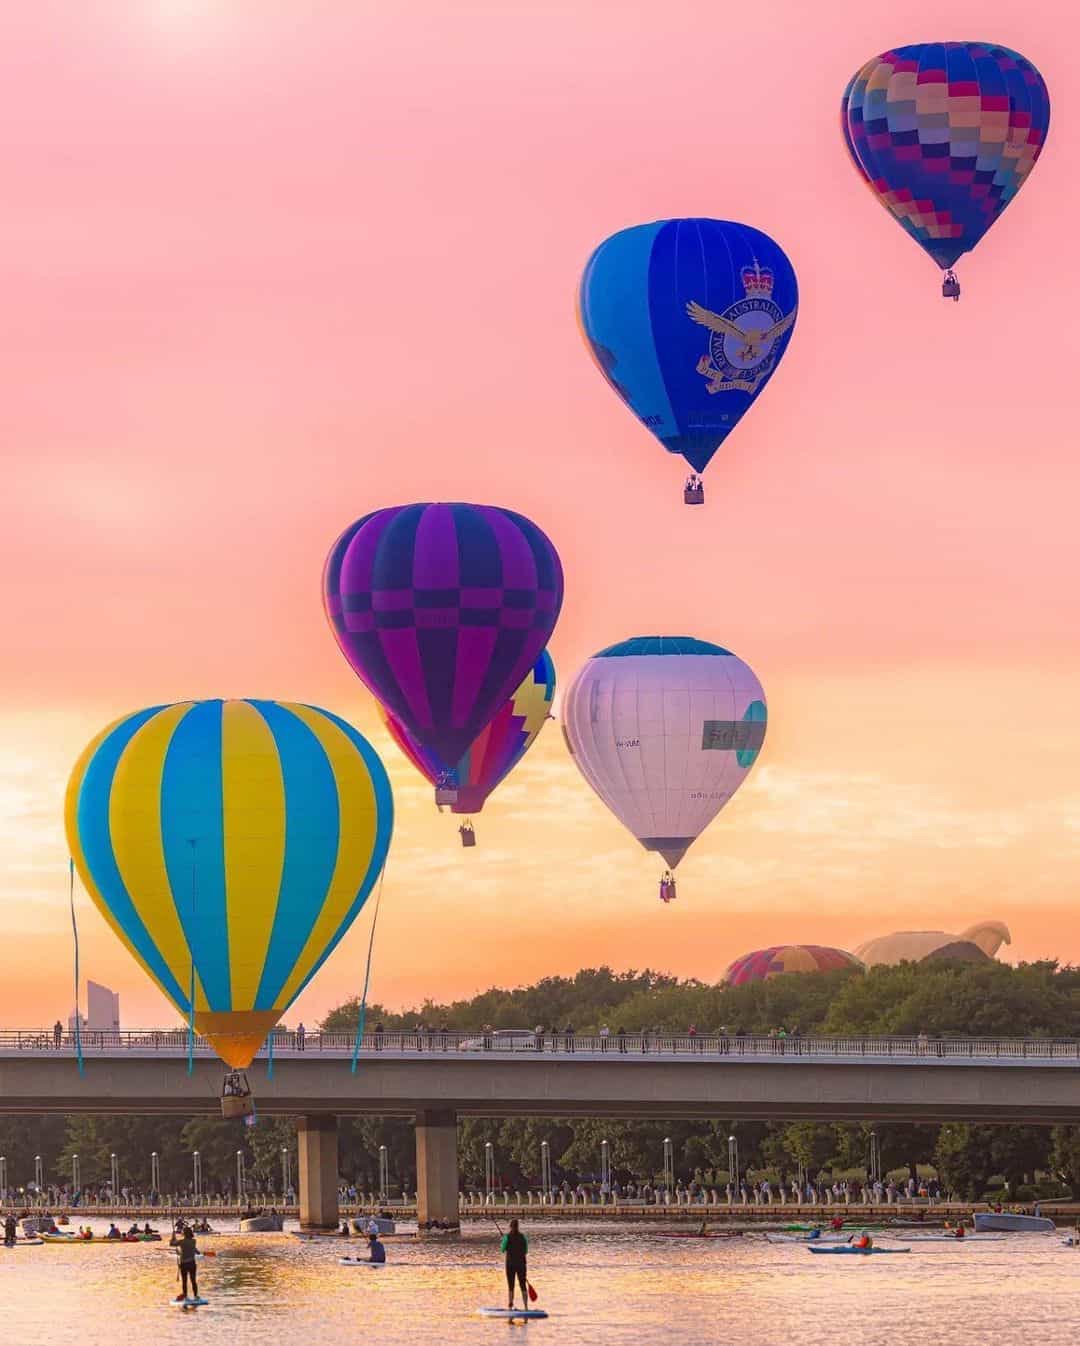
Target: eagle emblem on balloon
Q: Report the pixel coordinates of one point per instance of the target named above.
(743, 339)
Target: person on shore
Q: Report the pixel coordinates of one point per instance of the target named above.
(11, 1230)
(186, 1251)
(516, 1247)
(376, 1250)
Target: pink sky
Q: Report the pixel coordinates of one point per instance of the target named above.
(268, 266)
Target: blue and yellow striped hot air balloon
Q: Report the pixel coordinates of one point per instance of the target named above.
(230, 845)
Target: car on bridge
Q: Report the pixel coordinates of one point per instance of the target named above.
(502, 1040)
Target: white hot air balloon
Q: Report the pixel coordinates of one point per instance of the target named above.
(665, 730)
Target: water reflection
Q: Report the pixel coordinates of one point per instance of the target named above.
(600, 1285)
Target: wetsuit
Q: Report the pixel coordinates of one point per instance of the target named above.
(185, 1246)
(516, 1247)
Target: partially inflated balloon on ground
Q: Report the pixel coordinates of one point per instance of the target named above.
(945, 135)
(498, 747)
(785, 958)
(665, 729)
(442, 610)
(688, 320)
(230, 845)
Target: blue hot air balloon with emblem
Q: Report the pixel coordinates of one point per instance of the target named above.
(688, 321)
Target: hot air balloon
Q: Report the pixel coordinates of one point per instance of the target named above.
(230, 845)
(784, 958)
(665, 730)
(945, 134)
(687, 320)
(442, 610)
(495, 751)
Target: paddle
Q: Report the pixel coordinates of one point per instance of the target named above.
(533, 1296)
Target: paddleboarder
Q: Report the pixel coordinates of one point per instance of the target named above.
(516, 1247)
(186, 1251)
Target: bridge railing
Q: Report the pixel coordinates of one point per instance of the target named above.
(616, 1046)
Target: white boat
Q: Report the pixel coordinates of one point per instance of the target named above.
(383, 1224)
(262, 1224)
(986, 1221)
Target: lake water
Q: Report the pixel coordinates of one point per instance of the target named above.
(609, 1284)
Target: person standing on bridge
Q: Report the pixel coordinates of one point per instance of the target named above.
(301, 1034)
(516, 1247)
(57, 1034)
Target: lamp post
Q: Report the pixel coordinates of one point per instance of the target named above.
(39, 1172)
(239, 1177)
(114, 1177)
(3, 1176)
(384, 1173)
(286, 1173)
(873, 1166)
(489, 1172)
(155, 1173)
(669, 1167)
(76, 1176)
(605, 1169)
(545, 1170)
(196, 1175)
(733, 1162)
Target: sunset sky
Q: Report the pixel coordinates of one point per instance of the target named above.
(267, 266)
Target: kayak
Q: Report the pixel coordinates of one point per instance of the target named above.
(696, 1234)
(513, 1313)
(25, 1243)
(808, 1238)
(68, 1239)
(856, 1252)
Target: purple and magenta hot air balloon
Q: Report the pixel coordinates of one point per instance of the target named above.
(442, 610)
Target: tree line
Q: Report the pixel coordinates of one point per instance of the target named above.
(938, 998)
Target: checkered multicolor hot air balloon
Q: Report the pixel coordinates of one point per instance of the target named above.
(945, 135)
(442, 610)
(230, 845)
(782, 958)
(498, 747)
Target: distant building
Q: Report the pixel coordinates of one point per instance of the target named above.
(102, 1011)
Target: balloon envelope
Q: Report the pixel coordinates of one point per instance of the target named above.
(498, 747)
(665, 729)
(946, 133)
(783, 958)
(230, 843)
(442, 610)
(687, 320)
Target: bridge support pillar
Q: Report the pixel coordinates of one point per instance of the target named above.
(318, 1164)
(436, 1166)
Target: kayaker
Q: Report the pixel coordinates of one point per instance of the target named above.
(863, 1241)
(376, 1250)
(186, 1251)
(516, 1247)
(113, 1233)
(836, 1223)
(959, 1232)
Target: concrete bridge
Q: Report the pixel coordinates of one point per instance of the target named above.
(436, 1078)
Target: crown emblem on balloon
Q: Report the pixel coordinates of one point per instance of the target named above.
(757, 281)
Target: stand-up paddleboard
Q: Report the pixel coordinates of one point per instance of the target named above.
(512, 1313)
(188, 1303)
(360, 1262)
(24, 1243)
(856, 1252)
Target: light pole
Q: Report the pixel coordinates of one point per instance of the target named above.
(669, 1167)
(239, 1177)
(874, 1162)
(489, 1172)
(286, 1174)
(39, 1172)
(3, 1176)
(76, 1177)
(384, 1173)
(114, 1176)
(196, 1175)
(605, 1168)
(733, 1162)
(545, 1170)
(155, 1172)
